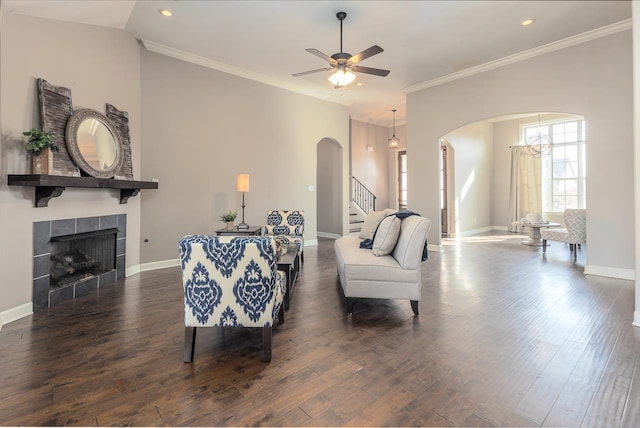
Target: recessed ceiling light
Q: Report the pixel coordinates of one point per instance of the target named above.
(359, 83)
(526, 22)
(165, 12)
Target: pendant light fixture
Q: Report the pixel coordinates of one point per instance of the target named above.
(394, 141)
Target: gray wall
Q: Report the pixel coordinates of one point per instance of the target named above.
(593, 79)
(329, 189)
(99, 65)
(472, 169)
(507, 133)
(371, 168)
(202, 127)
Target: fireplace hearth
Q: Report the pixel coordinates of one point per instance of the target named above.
(75, 256)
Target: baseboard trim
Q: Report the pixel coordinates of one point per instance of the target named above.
(16, 313)
(433, 247)
(628, 274)
(310, 242)
(636, 318)
(145, 267)
(133, 270)
(476, 231)
(328, 235)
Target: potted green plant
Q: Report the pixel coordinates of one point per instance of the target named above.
(41, 144)
(228, 218)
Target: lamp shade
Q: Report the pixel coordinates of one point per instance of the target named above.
(243, 183)
(342, 78)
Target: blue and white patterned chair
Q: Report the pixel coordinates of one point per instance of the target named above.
(575, 221)
(286, 226)
(230, 281)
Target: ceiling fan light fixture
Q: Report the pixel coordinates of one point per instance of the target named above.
(342, 77)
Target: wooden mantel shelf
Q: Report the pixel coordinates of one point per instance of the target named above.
(51, 186)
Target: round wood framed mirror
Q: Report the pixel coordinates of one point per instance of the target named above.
(94, 143)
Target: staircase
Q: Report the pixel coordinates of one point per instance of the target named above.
(363, 201)
(356, 219)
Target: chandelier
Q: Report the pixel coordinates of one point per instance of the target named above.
(539, 144)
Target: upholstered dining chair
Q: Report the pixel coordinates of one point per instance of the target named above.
(575, 221)
(230, 281)
(286, 226)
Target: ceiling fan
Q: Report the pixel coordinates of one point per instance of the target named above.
(344, 63)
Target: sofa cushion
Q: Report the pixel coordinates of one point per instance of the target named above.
(386, 236)
(372, 221)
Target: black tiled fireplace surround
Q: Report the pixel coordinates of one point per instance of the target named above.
(43, 231)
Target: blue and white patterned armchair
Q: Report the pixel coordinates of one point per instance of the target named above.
(230, 281)
(286, 226)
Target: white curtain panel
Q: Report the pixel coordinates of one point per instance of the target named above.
(525, 192)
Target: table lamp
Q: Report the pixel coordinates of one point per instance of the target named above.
(243, 186)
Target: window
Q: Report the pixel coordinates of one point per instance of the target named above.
(564, 170)
(402, 180)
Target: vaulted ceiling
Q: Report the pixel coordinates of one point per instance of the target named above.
(424, 42)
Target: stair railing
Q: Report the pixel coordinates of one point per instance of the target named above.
(362, 197)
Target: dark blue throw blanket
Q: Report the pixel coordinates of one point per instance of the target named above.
(402, 214)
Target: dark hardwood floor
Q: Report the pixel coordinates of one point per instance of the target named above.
(505, 336)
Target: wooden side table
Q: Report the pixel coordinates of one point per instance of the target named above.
(253, 230)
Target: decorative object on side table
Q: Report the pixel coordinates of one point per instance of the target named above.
(228, 218)
(41, 145)
(243, 186)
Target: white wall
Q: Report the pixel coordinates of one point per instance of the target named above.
(593, 79)
(99, 65)
(202, 127)
(473, 164)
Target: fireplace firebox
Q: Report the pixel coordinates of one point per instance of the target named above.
(75, 256)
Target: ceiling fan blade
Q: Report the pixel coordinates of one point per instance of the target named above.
(369, 70)
(373, 50)
(324, 56)
(312, 71)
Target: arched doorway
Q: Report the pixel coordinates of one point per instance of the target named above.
(479, 178)
(329, 188)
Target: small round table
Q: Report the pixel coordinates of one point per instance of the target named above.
(535, 240)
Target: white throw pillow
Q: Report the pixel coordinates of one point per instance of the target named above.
(371, 223)
(386, 236)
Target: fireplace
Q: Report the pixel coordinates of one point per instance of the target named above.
(74, 256)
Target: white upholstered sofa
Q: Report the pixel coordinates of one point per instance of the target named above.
(396, 275)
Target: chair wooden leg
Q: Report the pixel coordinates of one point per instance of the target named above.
(571, 247)
(544, 245)
(281, 314)
(266, 344)
(350, 301)
(414, 306)
(189, 343)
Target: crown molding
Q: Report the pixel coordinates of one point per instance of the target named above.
(236, 71)
(521, 56)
